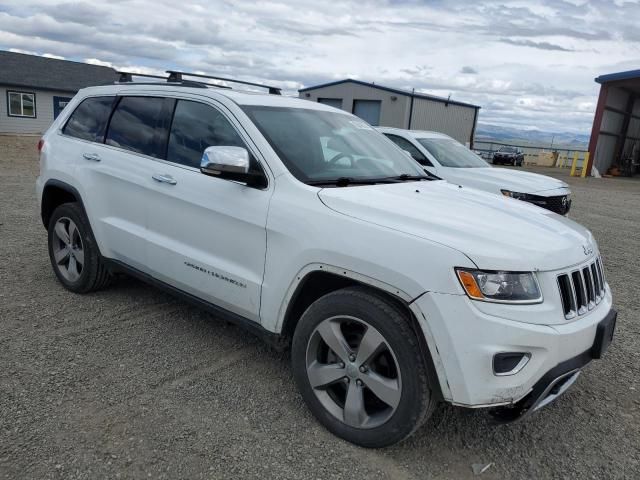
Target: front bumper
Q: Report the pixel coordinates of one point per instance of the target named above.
(558, 380)
(464, 340)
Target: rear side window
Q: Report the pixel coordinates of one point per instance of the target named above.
(89, 120)
(195, 127)
(140, 124)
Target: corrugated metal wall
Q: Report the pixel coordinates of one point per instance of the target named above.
(456, 121)
(23, 125)
(613, 123)
(393, 113)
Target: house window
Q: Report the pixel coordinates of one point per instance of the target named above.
(21, 104)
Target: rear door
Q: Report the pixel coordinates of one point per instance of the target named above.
(116, 175)
(207, 236)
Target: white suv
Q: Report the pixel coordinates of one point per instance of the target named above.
(310, 228)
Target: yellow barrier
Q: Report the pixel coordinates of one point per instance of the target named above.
(585, 162)
(583, 169)
(574, 164)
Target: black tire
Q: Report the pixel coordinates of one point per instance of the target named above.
(94, 274)
(417, 399)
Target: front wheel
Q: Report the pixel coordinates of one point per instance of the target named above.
(359, 367)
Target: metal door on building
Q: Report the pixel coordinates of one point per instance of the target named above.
(332, 102)
(58, 105)
(368, 110)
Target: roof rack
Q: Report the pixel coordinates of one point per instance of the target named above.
(176, 76)
(127, 77)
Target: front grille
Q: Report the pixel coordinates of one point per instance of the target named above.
(559, 204)
(582, 289)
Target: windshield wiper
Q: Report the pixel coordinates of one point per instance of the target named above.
(345, 181)
(405, 177)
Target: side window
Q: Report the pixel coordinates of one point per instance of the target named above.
(89, 120)
(195, 127)
(409, 147)
(139, 124)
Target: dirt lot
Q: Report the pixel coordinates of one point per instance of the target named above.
(131, 383)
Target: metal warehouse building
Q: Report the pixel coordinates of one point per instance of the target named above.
(615, 137)
(390, 107)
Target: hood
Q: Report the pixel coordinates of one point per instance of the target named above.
(495, 179)
(495, 232)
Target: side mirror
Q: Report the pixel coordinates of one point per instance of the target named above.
(407, 152)
(230, 163)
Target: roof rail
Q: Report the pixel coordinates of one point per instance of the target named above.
(176, 76)
(127, 77)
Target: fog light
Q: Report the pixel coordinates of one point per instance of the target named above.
(509, 363)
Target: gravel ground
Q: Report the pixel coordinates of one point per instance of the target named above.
(132, 383)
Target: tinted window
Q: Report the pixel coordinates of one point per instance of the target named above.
(450, 153)
(89, 120)
(409, 147)
(195, 127)
(137, 125)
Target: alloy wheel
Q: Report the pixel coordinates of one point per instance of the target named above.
(68, 250)
(353, 372)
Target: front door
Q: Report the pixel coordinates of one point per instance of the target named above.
(207, 236)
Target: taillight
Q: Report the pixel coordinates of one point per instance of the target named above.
(40, 145)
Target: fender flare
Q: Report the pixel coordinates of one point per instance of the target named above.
(62, 186)
(419, 316)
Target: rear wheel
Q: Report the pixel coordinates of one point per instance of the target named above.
(73, 251)
(359, 367)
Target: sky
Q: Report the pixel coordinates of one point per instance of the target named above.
(527, 64)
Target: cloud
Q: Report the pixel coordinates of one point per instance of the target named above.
(526, 63)
(532, 44)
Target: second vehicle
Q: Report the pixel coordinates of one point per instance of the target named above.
(448, 159)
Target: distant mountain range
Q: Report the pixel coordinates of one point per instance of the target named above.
(536, 137)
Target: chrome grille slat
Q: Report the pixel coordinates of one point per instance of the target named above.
(582, 289)
(596, 282)
(588, 282)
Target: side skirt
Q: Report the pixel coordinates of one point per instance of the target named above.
(275, 340)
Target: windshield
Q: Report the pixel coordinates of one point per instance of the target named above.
(507, 149)
(326, 146)
(450, 153)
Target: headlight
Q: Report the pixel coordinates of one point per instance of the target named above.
(500, 287)
(516, 195)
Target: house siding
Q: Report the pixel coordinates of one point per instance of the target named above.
(44, 112)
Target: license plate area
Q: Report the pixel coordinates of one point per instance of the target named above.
(604, 335)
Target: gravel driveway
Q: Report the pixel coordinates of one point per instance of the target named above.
(132, 383)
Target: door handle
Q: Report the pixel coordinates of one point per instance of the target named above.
(91, 156)
(163, 178)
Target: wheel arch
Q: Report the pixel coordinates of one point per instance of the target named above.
(54, 194)
(317, 280)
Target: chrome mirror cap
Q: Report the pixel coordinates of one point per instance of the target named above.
(219, 160)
